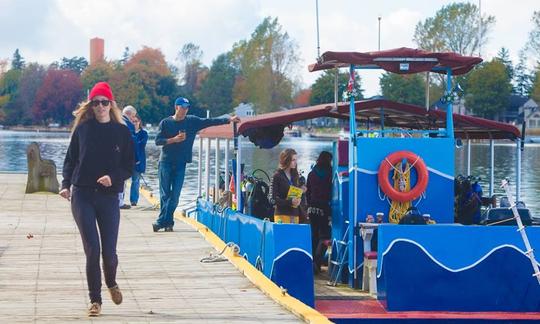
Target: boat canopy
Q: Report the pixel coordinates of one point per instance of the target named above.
(368, 112)
(401, 60)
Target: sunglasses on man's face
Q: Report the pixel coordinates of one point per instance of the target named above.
(96, 103)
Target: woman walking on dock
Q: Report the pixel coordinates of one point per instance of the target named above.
(99, 159)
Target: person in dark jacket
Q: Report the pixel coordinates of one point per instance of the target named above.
(98, 161)
(176, 135)
(318, 196)
(287, 208)
(141, 137)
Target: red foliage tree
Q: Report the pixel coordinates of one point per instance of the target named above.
(57, 97)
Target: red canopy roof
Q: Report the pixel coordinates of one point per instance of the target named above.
(399, 60)
(395, 115)
(285, 117)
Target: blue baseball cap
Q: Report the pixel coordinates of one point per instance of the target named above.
(182, 102)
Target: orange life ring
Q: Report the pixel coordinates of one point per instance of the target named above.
(421, 170)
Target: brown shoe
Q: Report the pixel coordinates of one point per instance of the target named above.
(94, 309)
(116, 295)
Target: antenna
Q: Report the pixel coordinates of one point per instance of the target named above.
(379, 32)
(317, 17)
(480, 28)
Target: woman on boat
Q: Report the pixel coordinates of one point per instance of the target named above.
(318, 196)
(99, 159)
(286, 189)
(141, 137)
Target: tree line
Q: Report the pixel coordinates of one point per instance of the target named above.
(262, 70)
(259, 70)
(458, 27)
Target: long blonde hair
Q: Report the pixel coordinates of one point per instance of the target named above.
(84, 112)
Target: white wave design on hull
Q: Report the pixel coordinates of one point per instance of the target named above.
(288, 251)
(440, 263)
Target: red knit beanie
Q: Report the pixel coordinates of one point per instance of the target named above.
(101, 89)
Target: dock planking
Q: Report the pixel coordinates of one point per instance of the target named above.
(42, 269)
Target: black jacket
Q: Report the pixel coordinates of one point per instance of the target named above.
(98, 149)
(280, 188)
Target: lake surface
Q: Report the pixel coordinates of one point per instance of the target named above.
(54, 146)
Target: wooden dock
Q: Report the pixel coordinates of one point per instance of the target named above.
(42, 269)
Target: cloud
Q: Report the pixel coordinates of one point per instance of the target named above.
(47, 30)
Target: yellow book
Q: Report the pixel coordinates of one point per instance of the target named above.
(294, 192)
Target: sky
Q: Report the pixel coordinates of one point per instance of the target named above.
(44, 31)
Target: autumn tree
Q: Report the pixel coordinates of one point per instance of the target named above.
(31, 79)
(535, 87)
(533, 43)
(191, 67)
(76, 64)
(17, 63)
(97, 72)
(59, 94)
(9, 87)
(322, 90)
(217, 89)
(522, 78)
(406, 88)
(455, 27)
(146, 82)
(503, 56)
(3, 66)
(489, 89)
(267, 63)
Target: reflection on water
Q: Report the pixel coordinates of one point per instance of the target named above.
(54, 145)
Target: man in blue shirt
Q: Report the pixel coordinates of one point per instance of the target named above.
(176, 135)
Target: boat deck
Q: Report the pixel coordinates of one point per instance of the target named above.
(342, 304)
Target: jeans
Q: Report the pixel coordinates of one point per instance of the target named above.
(134, 189)
(89, 207)
(171, 179)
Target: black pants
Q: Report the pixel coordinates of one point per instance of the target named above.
(89, 207)
(320, 230)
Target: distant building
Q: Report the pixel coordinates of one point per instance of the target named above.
(244, 110)
(97, 50)
(530, 113)
(512, 113)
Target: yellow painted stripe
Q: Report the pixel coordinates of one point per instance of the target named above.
(306, 313)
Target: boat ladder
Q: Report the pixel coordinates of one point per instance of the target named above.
(340, 261)
(521, 230)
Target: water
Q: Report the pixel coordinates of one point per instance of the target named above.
(54, 145)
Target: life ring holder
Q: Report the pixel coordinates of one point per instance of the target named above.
(388, 164)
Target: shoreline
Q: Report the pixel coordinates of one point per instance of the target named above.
(37, 129)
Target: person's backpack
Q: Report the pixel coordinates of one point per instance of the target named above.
(258, 204)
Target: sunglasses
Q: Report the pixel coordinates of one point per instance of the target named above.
(104, 103)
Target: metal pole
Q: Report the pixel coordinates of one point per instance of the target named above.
(427, 90)
(216, 172)
(207, 170)
(449, 109)
(336, 79)
(468, 156)
(379, 32)
(199, 175)
(491, 167)
(518, 170)
(353, 179)
(239, 201)
(227, 145)
(317, 15)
